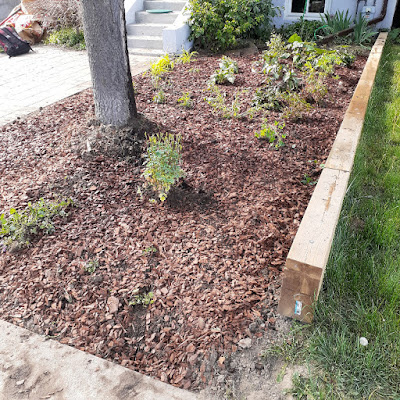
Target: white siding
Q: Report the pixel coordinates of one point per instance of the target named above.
(343, 5)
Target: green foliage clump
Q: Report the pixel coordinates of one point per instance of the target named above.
(394, 36)
(144, 299)
(20, 227)
(185, 100)
(335, 23)
(159, 97)
(68, 37)
(186, 57)
(217, 25)
(295, 106)
(161, 67)
(307, 30)
(272, 134)
(91, 266)
(362, 34)
(218, 102)
(163, 160)
(226, 72)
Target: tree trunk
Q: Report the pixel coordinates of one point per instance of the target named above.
(105, 36)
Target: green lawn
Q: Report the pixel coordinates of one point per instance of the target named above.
(361, 293)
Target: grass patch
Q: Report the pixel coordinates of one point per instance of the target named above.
(361, 292)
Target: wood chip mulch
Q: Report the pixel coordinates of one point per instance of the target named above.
(212, 254)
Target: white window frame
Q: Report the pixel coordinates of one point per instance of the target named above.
(307, 15)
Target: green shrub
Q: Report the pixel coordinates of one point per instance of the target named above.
(161, 67)
(163, 159)
(68, 37)
(185, 100)
(217, 25)
(159, 97)
(220, 107)
(295, 106)
(272, 134)
(305, 29)
(226, 72)
(186, 57)
(20, 227)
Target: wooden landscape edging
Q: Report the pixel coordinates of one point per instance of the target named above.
(306, 262)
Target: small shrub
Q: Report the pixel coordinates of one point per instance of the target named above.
(219, 105)
(68, 37)
(20, 227)
(159, 97)
(186, 57)
(91, 266)
(144, 299)
(304, 28)
(272, 134)
(295, 106)
(162, 66)
(226, 72)
(162, 163)
(268, 97)
(185, 100)
(314, 86)
(217, 25)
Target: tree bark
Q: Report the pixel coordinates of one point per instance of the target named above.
(105, 36)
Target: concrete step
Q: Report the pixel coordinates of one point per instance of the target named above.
(145, 42)
(153, 54)
(163, 5)
(142, 17)
(145, 29)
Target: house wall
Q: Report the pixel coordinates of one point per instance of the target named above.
(6, 6)
(340, 5)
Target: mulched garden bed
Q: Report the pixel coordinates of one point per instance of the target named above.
(212, 254)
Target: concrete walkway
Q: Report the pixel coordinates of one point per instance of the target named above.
(32, 367)
(46, 76)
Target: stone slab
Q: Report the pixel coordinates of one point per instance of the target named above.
(34, 368)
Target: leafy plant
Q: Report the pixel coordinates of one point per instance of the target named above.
(218, 103)
(162, 163)
(314, 86)
(150, 250)
(304, 28)
(218, 25)
(91, 266)
(337, 22)
(362, 33)
(20, 227)
(185, 100)
(162, 66)
(68, 37)
(308, 180)
(226, 72)
(272, 134)
(159, 97)
(186, 56)
(295, 106)
(394, 36)
(142, 299)
(268, 97)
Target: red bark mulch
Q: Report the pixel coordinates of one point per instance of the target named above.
(212, 254)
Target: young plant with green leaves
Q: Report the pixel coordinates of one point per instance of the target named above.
(226, 72)
(186, 57)
(161, 67)
(144, 299)
(162, 162)
(21, 226)
(185, 100)
(159, 97)
(218, 102)
(272, 133)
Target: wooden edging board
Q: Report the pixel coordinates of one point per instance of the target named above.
(306, 262)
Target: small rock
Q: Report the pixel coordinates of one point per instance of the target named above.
(253, 327)
(259, 366)
(245, 343)
(220, 378)
(113, 304)
(19, 383)
(201, 323)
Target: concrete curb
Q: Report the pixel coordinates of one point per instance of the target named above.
(309, 253)
(34, 368)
